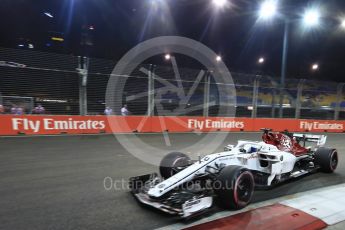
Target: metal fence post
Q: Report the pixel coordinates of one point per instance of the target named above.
(255, 96)
(281, 101)
(273, 104)
(32, 104)
(298, 99)
(151, 91)
(284, 65)
(274, 98)
(83, 66)
(207, 95)
(339, 99)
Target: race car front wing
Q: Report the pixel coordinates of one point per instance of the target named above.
(182, 203)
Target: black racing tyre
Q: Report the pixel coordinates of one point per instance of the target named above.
(234, 187)
(327, 159)
(173, 163)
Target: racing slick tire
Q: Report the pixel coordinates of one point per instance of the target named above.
(172, 163)
(327, 159)
(234, 187)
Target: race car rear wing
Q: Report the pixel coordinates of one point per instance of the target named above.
(320, 140)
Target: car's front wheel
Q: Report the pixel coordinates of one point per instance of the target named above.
(234, 187)
(173, 163)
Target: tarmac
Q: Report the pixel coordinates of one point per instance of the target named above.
(59, 182)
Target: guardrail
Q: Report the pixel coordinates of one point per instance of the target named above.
(55, 125)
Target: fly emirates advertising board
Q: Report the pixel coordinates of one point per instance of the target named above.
(42, 125)
(31, 125)
(47, 124)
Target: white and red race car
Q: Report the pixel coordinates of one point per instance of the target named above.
(187, 188)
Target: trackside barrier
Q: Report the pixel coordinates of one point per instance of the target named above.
(51, 125)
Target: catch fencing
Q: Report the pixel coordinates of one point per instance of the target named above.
(71, 85)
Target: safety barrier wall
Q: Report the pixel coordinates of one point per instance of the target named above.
(51, 125)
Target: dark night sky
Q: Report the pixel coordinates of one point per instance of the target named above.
(233, 32)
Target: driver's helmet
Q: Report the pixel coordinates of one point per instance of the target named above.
(250, 148)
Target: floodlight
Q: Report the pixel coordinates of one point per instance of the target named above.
(167, 57)
(315, 67)
(219, 3)
(311, 17)
(48, 14)
(268, 9)
(343, 23)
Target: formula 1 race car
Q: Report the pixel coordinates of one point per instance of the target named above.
(187, 188)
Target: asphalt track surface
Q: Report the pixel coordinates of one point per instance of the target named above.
(58, 182)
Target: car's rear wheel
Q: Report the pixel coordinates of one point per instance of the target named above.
(234, 187)
(173, 163)
(327, 159)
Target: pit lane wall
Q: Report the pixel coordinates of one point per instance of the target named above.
(51, 125)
